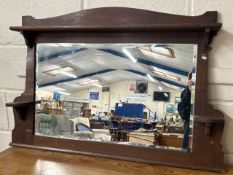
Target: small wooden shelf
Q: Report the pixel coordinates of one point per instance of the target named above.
(19, 104)
(208, 119)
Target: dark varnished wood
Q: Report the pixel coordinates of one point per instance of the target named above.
(114, 29)
(126, 25)
(15, 161)
(19, 104)
(125, 18)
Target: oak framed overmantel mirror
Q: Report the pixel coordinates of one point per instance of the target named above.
(120, 83)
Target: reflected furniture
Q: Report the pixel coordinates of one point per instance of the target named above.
(125, 25)
(122, 127)
(173, 140)
(46, 106)
(129, 110)
(81, 133)
(142, 138)
(91, 133)
(72, 108)
(46, 124)
(52, 124)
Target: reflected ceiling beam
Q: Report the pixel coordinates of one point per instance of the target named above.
(110, 70)
(115, 53)
(156, 78)
(78, 77)
(62, 53)
(147, 62)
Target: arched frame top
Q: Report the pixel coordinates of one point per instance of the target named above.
(119, 18)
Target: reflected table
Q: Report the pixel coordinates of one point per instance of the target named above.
(173, 140)
(142, 138)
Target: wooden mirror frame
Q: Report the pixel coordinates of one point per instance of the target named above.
(125, 25)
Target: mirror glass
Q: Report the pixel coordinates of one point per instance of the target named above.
(134, 94)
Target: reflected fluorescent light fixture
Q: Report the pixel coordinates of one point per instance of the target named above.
(158, 51)
(61, 70)
(129, 55)
(56, 88)
(88, 81)
(165, 94)
(97, 85)
(164, 74)
(150, 77)
(160, 88)
(65, 44)
(82, 44)
(148, 52)
(163, 50)
(68, 74)
(72, 85)
(172, 77)
(53, 88)
(64, 93)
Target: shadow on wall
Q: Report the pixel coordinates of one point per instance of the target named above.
(221, 85)
(227, 141)
(5, 138)
(221, 55)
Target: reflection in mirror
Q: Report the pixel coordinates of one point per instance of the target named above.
(134, 94)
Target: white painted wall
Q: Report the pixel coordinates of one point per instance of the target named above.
(13, 50)
(119, 92)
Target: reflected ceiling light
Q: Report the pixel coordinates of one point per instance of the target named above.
(97, 85)
(165, 94)
(82, 44)
(150, 77)
(41, 46)
(65, 44)
(88, 81)
(162, 50)
(68, 74)
(56, 88)
(64, 93)
(172, 77)
(61, 70)
(158, 51)
(72, 85)
(129, 55)
(164, 74)
(160, 88)
(53, 88)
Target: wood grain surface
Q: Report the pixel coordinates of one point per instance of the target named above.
(22, 161)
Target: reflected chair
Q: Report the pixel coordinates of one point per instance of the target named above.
(46, 124)
(52, 124)
(91, 133)
(79, 131)
(63, 125)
